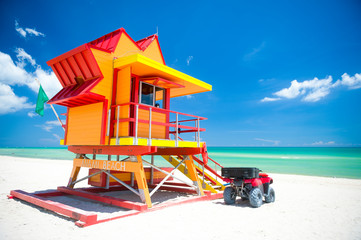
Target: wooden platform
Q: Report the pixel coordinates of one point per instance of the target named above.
(126, 208)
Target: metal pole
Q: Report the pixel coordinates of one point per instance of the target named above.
(121, 182)
(176, 130)
(136, 124)
(89, 176)
(108, 128)
(165, 179)
(199, 143)
(152, 170)
(57, 116)
(117, 139)
(150, 128)
(165, 172)
(51, 105)
(195, 133)
(132, 179)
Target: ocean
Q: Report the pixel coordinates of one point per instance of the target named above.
(327, 162)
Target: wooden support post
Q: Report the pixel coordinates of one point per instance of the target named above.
(73, 176)
(193, 174)
(142, 183)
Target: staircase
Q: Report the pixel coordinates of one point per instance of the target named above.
(208, 176)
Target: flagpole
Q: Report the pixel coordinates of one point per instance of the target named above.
(51, 105)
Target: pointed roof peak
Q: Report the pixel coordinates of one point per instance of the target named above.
(145, 42)
(109, 41)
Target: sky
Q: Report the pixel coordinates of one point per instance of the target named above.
(284, 73)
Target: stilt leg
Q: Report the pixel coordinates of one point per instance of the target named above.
(193, 174)
(142, 183)
(73, 176)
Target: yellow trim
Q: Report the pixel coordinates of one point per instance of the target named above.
(61, 141)
(155, 68)
(129, 141)
(163, 143)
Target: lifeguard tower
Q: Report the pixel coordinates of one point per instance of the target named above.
(118, 93)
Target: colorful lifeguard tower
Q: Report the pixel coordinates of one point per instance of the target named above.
(117, 92)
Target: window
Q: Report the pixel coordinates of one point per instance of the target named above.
(151, 95)
(147, 94)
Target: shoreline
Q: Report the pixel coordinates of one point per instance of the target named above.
(306, 207)
(278, 173)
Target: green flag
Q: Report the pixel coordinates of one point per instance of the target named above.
(42, 98)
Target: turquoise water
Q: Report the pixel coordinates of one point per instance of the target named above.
(329, 162)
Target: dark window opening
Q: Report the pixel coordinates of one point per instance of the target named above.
(151, 95)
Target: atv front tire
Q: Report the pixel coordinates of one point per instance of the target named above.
(229, 195)
(255, 197)
(271, 196)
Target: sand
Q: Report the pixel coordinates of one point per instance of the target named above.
(305, 208)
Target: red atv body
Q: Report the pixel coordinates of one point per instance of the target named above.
(249, 184)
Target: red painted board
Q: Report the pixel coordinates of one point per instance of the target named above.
(60, 208)
(113, 150)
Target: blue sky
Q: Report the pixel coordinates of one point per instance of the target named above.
(284, 73)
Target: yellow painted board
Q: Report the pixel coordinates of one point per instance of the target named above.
(163, 143)
(155, 142)
(146, 67)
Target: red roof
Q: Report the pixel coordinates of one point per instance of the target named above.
(77, 95)
(145, 42)
(108, 42)
(80, 63)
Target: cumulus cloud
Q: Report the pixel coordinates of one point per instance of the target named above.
(16, 74)
(315, 89)
(31, 31)
(352, 82)
(189, 59)
(9, 102)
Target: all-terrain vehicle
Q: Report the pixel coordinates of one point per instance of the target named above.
(249, 184)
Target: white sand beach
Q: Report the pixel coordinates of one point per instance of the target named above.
(305, 208)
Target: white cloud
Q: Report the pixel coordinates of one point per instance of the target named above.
(19, 29)
(254, 51)
(49, 125)
(315, 89)
(15, 74)
(22, 56)
(268, 99)
(189, 59)
(319, 143)
(32, 114)
(275, 142)
(34, 32)
(9, 102)
(30, 31)
(351, 82)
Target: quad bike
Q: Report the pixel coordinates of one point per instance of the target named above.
(249, 184)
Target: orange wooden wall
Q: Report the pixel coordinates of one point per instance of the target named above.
(84, 125)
